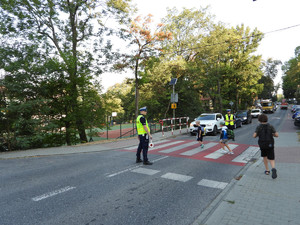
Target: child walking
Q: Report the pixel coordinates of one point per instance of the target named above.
(200, 133)
(265, 133)
(224, 139)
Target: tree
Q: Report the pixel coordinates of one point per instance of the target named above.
(64, 30)
(291, 78)
(144, 42)
(270, 72)
(228, 68)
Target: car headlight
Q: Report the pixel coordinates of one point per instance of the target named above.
(209, 125)
(245, 118)
(191, 125)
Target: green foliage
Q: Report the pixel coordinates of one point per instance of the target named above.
(270, 71)
(47, 54)
(291, 78)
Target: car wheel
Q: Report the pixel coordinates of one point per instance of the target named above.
(215, 131)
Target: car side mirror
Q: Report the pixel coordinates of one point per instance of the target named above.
(218, 119)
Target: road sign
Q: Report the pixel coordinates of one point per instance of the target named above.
(173, 106)
(231, 103)
(174, 97)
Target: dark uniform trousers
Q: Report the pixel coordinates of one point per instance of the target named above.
(143, 145)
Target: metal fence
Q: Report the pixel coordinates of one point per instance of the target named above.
(125, 130)
(120, 130)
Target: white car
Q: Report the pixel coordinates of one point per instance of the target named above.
(211, 121)
(256, 112)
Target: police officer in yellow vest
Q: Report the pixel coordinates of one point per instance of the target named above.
(229, 120)
(143, 136)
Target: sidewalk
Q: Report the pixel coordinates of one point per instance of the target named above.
(88, 147)
(257, 198)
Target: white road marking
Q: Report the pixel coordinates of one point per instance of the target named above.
(169, 150)
(145, 171)
(199, 149)
(246, 155)
(164, 157)
(217, 154)
(177, 177)
(52, 193)
(165, 145)
(154, 142)
(134, 167)
(122, 171)
(212, 184)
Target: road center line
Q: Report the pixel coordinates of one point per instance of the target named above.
(52, 193)
(134, 167)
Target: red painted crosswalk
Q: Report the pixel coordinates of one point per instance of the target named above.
(211, 151)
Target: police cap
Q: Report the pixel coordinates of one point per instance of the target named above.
(143, 109)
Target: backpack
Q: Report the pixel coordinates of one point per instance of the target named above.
(266, 140)
(230, 134)
(203, 131)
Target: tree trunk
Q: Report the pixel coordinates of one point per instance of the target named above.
(68, 133)
(220, 97)
(136, 88)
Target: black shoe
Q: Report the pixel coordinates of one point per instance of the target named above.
(274, 173)
(138, 161)
(147, 163)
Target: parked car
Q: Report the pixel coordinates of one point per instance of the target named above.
(296, 113)
(256, 112)
(238, 123)
(244, 115)
(297, 121)
(294, 107)
(211, 121)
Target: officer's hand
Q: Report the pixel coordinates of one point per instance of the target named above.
(150, 136)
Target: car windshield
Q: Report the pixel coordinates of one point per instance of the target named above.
(206, 117)
(255, 110)
(239, 114)
(267, 104)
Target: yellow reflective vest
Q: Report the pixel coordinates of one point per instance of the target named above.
(140, 127)
(231, 120)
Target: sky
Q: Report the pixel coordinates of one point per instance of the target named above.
(278, 19)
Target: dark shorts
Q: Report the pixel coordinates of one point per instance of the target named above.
(269, 153)
(200, 138)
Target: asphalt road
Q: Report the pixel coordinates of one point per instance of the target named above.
(110, 188)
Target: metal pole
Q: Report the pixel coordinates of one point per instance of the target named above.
(174, 100)
(107, 128)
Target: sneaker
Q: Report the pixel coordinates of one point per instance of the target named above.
(202, 146)
(224, 151)
(138, 161)
(147, 163)
(231, 153)
(274, 173)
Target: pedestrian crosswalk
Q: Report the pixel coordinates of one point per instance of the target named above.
(212, 151)
(181, 178)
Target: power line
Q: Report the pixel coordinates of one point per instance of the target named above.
(285, 28)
